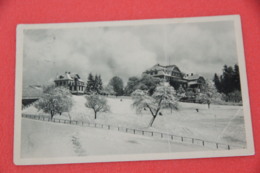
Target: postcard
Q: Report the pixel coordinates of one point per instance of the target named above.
(131, 90)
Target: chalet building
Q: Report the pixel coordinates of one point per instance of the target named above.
(71, 81)
(195, 81)
(169, 73)
(173, 74)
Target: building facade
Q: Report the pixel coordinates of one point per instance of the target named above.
(71, 81)
(175, 77)
(195, 81)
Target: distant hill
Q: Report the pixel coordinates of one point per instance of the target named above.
(32, 91)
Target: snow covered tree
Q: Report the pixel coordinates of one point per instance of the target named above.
(97, 84)
(180, 92)
(55, 101)
(211, 94)
(109, 90)
(148, 82)
(162, 98)
(97, 103)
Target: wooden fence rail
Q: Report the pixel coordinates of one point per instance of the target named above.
(160, 135)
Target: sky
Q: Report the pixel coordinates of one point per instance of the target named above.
(125, 51)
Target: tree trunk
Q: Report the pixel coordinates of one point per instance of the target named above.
(152, 120)
(52, 114)
(69, 116)
(95, 114)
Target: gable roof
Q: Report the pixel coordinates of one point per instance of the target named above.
(68, 76)
(159, 67)
(192, 77)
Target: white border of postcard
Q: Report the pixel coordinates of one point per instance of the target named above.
(249, 150)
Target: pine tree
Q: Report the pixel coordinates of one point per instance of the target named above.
(227, 81)
(236, 78)
(100, 84)
(95, 85)
(216, 81)
(90, 83)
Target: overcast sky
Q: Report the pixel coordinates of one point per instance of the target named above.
(126, 51)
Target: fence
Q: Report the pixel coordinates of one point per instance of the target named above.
(160, 135)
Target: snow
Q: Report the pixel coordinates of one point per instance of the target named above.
(220, 123)
(46, 139)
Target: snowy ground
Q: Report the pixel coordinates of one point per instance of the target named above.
(224, 124)
(46, 139)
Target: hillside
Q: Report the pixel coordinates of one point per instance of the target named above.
(223, 124)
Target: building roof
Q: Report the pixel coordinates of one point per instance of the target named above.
(192, 76)
(159, 67)
(68, 76)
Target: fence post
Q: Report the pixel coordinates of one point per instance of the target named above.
(228, 147)
(217, 145)
(203, 143)
(134, 131)
(182, 139)
(108, 127)
(171, 137)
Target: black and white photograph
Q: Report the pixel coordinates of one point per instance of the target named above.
(131, 90)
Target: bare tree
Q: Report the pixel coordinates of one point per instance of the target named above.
(97, 103)
(162, 98)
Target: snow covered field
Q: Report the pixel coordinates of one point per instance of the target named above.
(45, 139)
(224, 124)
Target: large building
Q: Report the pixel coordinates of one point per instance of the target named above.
(71, 81)
(175, 77)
